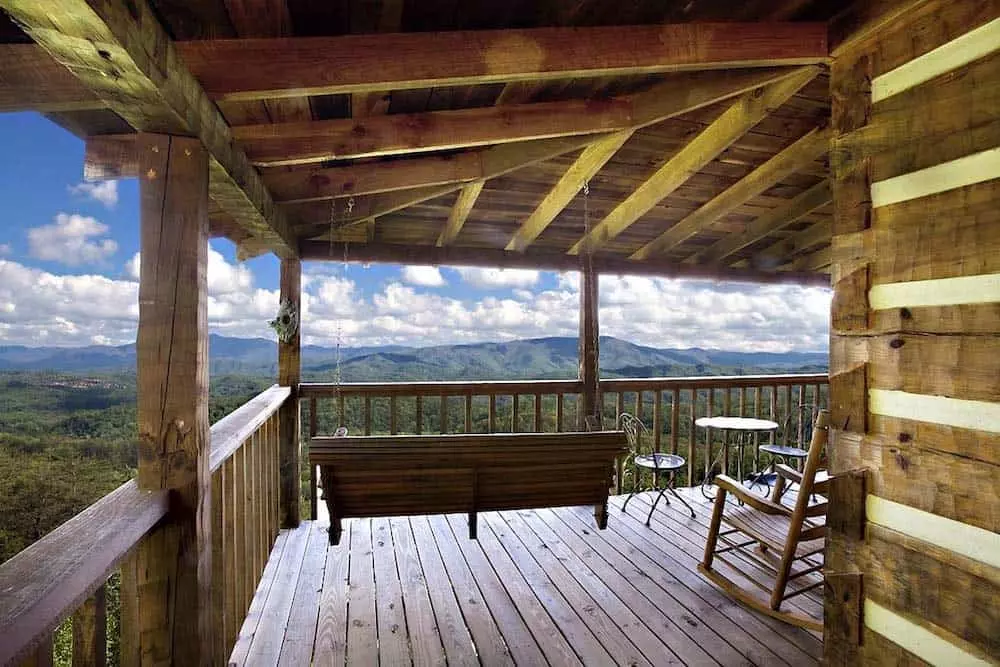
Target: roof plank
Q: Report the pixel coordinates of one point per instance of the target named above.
(799, 207)
(247, 69)
(123, 55)
(808, 148)
(732, 124)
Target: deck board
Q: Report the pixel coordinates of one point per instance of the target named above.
(538, 587)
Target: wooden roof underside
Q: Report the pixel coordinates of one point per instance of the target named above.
(448, 131)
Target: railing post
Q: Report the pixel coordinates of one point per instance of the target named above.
(289, 375)
(175, 593)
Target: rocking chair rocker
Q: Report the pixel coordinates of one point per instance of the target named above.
(775, 542)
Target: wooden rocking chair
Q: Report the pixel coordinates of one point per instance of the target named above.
(771, 537)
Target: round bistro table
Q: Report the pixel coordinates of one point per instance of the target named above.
(745, 429)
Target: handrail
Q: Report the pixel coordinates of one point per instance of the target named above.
(229, 433)
(441, 388)
(712, 381)
(43, 584)
(49, 580)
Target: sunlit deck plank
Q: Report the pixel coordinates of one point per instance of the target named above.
(538, 587)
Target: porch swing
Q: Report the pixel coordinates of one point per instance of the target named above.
(401, 475)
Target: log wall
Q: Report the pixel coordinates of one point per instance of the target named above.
(913, 559)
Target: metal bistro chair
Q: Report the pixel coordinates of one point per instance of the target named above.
(786, 449)
(661, 466)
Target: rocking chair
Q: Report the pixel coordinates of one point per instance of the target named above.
(773, 538)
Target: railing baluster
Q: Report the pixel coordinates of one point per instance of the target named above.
(232, 563)
(468, 413)
(801, 414)
(657, 419)
(219, 513)
(444, 414)
(341, 411)
(128, 620)
(515, 412)
(638, 405)
(710, 412)
(392, 415)
(559, 412)
(691, 437)
(727, 410)
(538, 414)
(493, 413)
(368, 414)
(774, 410)
(675, 421)
(42, 655)
(90, 639)
(619, 404)
(245, 488)
(788, 413)
(313, 418)
(420, 414)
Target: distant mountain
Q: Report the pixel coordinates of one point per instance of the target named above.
(539, 358)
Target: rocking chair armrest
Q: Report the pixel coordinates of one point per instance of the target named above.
(730, 485)
(788, 473)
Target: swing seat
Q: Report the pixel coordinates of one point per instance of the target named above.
(370, 476)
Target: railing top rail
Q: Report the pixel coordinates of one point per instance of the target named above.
(712, 381)
(229, 433)
(43, 584)
(507, 387)
(446, 387)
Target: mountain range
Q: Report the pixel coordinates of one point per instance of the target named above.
(538, 358)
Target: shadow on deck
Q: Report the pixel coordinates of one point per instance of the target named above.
(537, 587)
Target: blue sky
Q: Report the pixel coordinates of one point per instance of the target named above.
(69, 269)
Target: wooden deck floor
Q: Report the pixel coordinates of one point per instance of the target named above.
(538, 587)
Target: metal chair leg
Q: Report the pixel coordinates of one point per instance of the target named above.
(659, 495)
(628, 498)
(680, 498)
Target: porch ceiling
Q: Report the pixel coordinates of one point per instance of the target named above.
(453, 131)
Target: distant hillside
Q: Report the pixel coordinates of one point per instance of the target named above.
(537, 358)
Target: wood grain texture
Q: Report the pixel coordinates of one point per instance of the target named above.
(289, 375)
(172, 403)
(804, 150)
(137, 71)
(261, 68)
(460, 212)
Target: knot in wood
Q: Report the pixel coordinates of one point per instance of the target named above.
(897, 343)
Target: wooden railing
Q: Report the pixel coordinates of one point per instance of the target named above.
(65, 573)
(668, 405)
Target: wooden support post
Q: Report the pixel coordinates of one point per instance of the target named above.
(90, 632)
(175, 593)
(588, 345)
(289, 375)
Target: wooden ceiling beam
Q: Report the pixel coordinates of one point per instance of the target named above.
(300, 185)
(460, 212)
(248, 69)
(30, 80)
(278, 144)
(776, 254)
(733, 123)
(548, 261)
(815, 197)
(123, 55)
(804, 150)
(680, 95)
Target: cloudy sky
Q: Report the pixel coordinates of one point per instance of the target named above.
(69, 266)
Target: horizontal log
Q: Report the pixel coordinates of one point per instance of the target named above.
(495, 257)
(250, 69)
(229, 433)
(46, 582)
(32, 81)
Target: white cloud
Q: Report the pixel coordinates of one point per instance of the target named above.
(423, 276)
(5, 249)
(72, 240)
(37, 307)
(105, 192)
(498, 278)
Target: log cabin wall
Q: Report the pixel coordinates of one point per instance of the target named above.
(913, 559)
